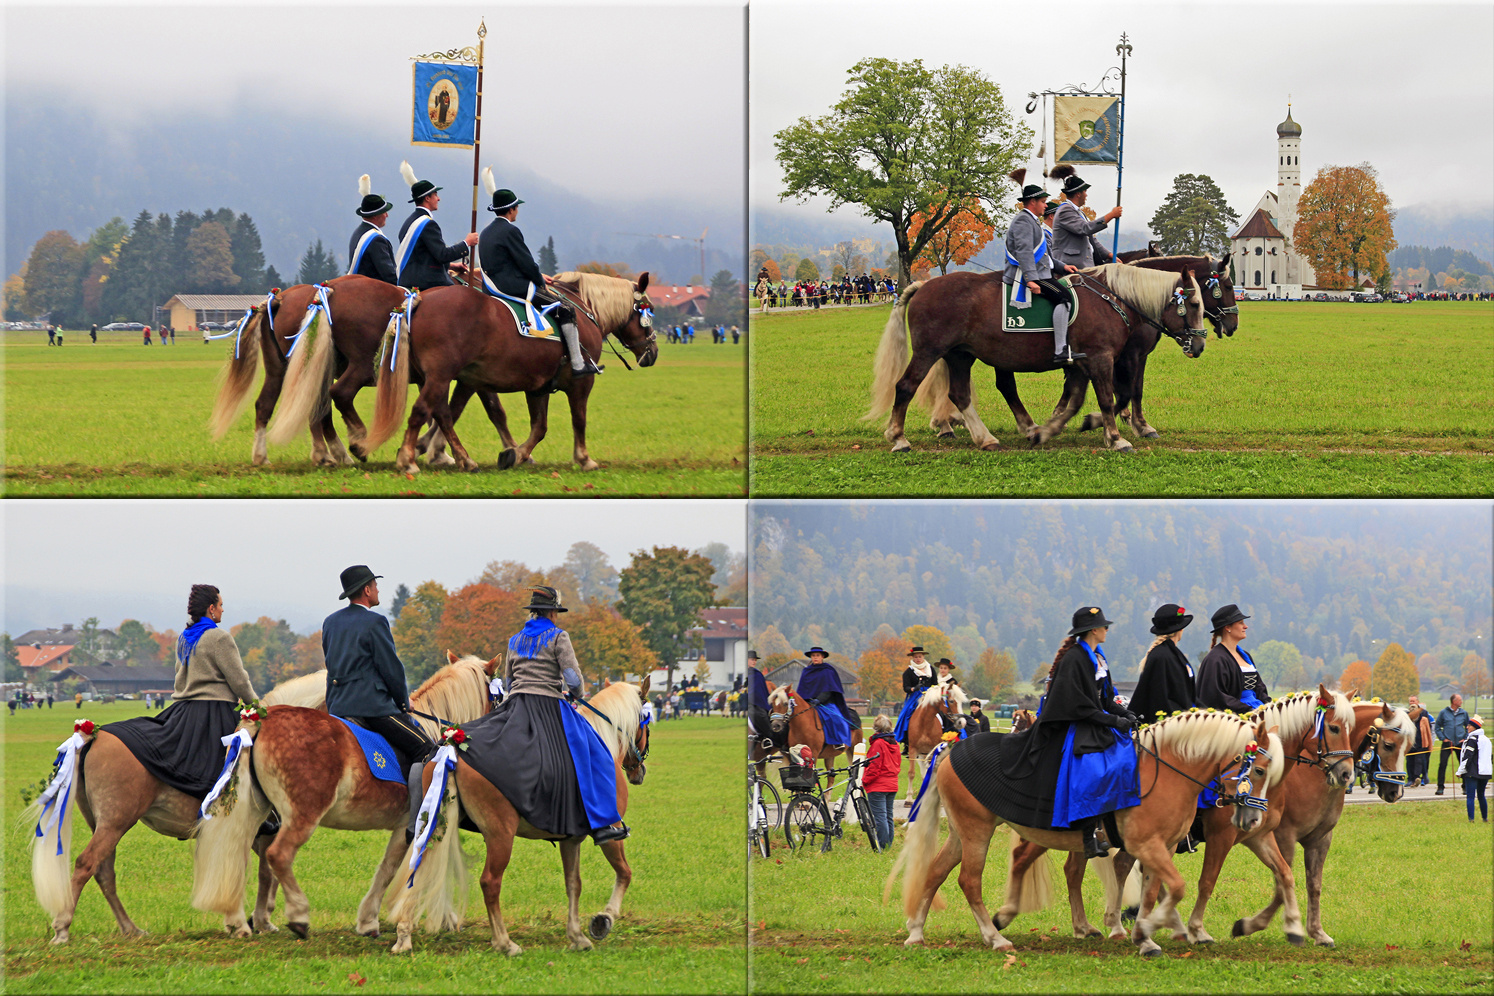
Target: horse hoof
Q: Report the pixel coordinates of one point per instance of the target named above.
(947, 434)
(240, 932)
(1152, 953)
(1238, 930)
(1327, 944)
(506, 459)
(601, 926)
(590, 464)
(369, 933)
(1297, 940)
(1125, 450)
(994, 444)
(902, 446)
(301, 930)
(60, 939)
(1151, 434)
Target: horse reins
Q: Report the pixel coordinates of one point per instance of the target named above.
(1181, 338)
(1215, 783)
(632, 748)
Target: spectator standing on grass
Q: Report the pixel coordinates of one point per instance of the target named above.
(78, 700)
(1451, 728)
(979, 719)
(1418, 762)
(1475, 767)
(147, 335)
(93, 333)
(883, 762)
(51, 334)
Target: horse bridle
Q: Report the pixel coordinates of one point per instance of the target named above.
(1217, 315)
(645, 319)
(1370, 759)
(639, 755)
(1182, 338)
(1325, 759)
(1242, 797)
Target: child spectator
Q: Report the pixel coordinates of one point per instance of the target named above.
(884, 761)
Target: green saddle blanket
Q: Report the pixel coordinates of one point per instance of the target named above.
(531, 324)
(1038, 315)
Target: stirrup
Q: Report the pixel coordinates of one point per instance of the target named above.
(610, 833)
(1092, 846)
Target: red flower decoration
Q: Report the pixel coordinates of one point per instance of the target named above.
(85, 727)
(455, 737)
(1182, 611)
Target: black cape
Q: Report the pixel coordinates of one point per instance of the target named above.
(521, 748)
(1166, 684)
(1220, 682)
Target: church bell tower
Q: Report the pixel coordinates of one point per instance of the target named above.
(1289, 190)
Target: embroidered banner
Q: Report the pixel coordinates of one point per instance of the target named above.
(1086, 129)
(445, 105)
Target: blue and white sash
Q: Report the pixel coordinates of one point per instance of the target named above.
(407, 244)
(237, 741)
(318, 305)
(52, 811)
(444, 764)
(533, 324)
(366, 241)
(1019, 297)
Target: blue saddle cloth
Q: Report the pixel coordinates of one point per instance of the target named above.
(836, 727)
(382, 761)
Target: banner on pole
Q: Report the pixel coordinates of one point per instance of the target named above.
(445, 105)
(1086, 129)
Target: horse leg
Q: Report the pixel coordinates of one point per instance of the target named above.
(1073, 873)
(281, 855)
(601, 924)
(1155, 856)
(1138, 421)
(264, 404)
(1006, 383)
(493, 405)
(570, 863)
(264, 901)
(1075, 383)
(368, 910)
(578, 394)
(939, 869)
(500, 851)
(1217, 843)
(1101, 372)
(1022, 858)
(539, 415)
(105, 878)
(441, 411)
(343, 391)
(420, 413)
(1121, 864)
(917, 369)
(1314, 853)
(1264, 847)
(961, 397)
(975, 848)
(335, 450)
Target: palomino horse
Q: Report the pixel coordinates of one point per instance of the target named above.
(439, 885)
(310, 767)
(953, 322)
(792, 721)
(114, 792)
(1177, 756)
(458, 334)
(926, 729)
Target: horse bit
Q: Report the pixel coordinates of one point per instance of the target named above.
(1370, 760)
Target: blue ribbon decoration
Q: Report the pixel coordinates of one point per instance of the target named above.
(928, 772)
(401, 323)
(236, 331)
(318, 304)
(423, 837)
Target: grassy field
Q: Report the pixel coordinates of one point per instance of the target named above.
(1306, 399)
(1405, 888)
(119, 419)
(682, 930)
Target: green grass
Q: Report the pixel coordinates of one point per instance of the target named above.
(1306, 399)
(682, 929)
(1404, 887)
(118, 419)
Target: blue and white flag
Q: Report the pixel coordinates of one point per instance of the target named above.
(1086, 129)
(445, 105)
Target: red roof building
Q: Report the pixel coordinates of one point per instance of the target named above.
(689, 299)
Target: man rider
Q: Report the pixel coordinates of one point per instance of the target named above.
(423, 256)
(1074, 239)
(1029, 259)
(370, 253)
(507, 262)
(757, 702)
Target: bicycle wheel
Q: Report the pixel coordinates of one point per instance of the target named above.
(772, 804)
(864, 815)
(806, 819)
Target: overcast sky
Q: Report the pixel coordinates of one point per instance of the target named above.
(586, 95)
(1409, 89)
(67, 560)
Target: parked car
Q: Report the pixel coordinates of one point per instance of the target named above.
(123, 327)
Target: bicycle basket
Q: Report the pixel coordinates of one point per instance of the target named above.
(797, 777)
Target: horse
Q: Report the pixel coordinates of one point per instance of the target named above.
(437, 888)
(926, 728)
(1187, 751)
(1136, 255)
(763, 290)
(114, 792)
(793, 720)
(459, 334)
(311, 769)
(953, 321)
(1022, 719)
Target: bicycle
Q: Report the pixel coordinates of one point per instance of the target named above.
(808, 817)
(763, 816)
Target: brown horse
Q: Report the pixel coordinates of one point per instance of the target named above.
(311, 769)
(953, 321)
(1185, 751)
(1135, 255)
(926, 727)
(794, 721)
(458, 334)
(439, 885)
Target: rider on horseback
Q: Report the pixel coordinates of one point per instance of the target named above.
(946, 681)
(757, 702)
(1073, 234)
(1227, 678)
(370, 253)
(506, 260)
(1029, 259)
(917, 676)
(423, 256)
(820, 686)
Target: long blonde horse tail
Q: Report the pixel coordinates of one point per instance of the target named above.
(1035, 887)
(919, 848)
(306, 396)
(393, 393)
(220, 860)
(237, 377)
(439, 889)
(51, 871)
(933, 394)
(1132, 894)
(892, 356)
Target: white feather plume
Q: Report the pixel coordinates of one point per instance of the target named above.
(408, 173)
(488, 182)
(365, 186)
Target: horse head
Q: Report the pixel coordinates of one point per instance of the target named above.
(633, 760)
(780, 711)
(1332, 731)
(1184, 318)
(637, 333)
(1221, 307)
(1260, 757)
(1384, 733)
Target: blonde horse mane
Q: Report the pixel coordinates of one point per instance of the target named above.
(309, 691)
(779, 696)
(1148, 291)
(457, 692)
(1293, 716)
(1197, 735)
(623, 704)
(931, 696)
(611, 298)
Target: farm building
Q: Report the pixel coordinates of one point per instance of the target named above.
(118, 679)
(189, 311)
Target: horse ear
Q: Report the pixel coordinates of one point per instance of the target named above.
(642, 284)
(1387, 712)
(1223, 263)
(1352, 693)
(451, 658)
(491, 667)
(643, 688)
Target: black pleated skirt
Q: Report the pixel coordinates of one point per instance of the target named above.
(521, 748)
(1014, 775)
(183, 744)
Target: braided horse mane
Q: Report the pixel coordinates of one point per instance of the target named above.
(308, 691)
(457, 692)
(933, 695)
(1148, 291)
(623, 704)
(610, 298)
(1199, 734)
(1294, 715)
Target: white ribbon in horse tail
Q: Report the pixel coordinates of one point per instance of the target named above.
(430, 805)
(399, 317)
(236, 331)
(62, 783)
(238, 740)
(318, 308)
(928, 772)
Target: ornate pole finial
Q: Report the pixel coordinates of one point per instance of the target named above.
(482, 28)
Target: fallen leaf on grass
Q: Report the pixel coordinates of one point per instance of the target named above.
(554, 473)
(1392, 947)
(1011, 960)
(845, 957)
(856, 447)
(1186, 954)
(840, 931)
(356, 979)
(1296, 976)
(762, 925)
(801, 961)
(590, 487)
(1466, 945)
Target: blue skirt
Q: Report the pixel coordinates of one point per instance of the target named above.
(900, 730)
(1092, 784)
(837, 729)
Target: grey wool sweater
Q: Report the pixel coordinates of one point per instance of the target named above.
(214, 672)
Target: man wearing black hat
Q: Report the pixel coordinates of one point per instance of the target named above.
(1073, 234)
(508, 263)
(1030, 265)
(423, 256)
(370, 253)
(757, 702)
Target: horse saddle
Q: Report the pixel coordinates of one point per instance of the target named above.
(384, 762)
(1037, 314)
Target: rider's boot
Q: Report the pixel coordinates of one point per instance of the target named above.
(1093, 845)
(617, 831)
(270, 827)
(413, 776)
(581, 363)
(1063, 354)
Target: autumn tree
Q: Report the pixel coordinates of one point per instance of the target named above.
(1344, 225)
(1281, 665)
(770, 641)
(1394, 675)
(1356, 678)
(663, 592)
(134, 645)
(903, 139)
(880, 668)
(415, 631)
(806, 270)
(993, 674)
(53, 276)
(608, 645)
(479, 619)
(1195, 219)
(1475, 679)
(932, 639)
(510, 575)
(15, 296)
(265, 645)
(963, 236)
(774, 273)
(210, 260)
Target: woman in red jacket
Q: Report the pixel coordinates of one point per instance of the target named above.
(884, 761)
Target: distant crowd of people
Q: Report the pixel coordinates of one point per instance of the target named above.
(685, 334)
(861, 289)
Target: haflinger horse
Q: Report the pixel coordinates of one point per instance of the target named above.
(311, 769)
(1176, 757)
(438, 887)
(465, 336)
(792, 720)
(114, 792)
(953, 321)
(926, 729)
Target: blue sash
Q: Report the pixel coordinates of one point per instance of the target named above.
(531, 320)
(383, 763)
(596, 772)
(407, 244)
(1019, 296)
(363, 244)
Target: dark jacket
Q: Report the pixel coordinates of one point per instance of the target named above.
(1220, 682)
(1452, 724)
(364, 674)
(428, 259)
(820, 684)
(378, 258)
(912, 680)
(1076, 697)
(1166, 684)
(983, 722)
(506, 260)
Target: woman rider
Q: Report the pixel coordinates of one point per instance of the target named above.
(918, 675)
(546, 759)
(1227, 678)
(1166, 685)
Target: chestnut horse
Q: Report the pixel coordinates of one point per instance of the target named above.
(954, 320)
(926, 731)
(311, 769)
(1176, 757)
(793, 720)
(438, 887)
(114, 792)
(462, 335)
